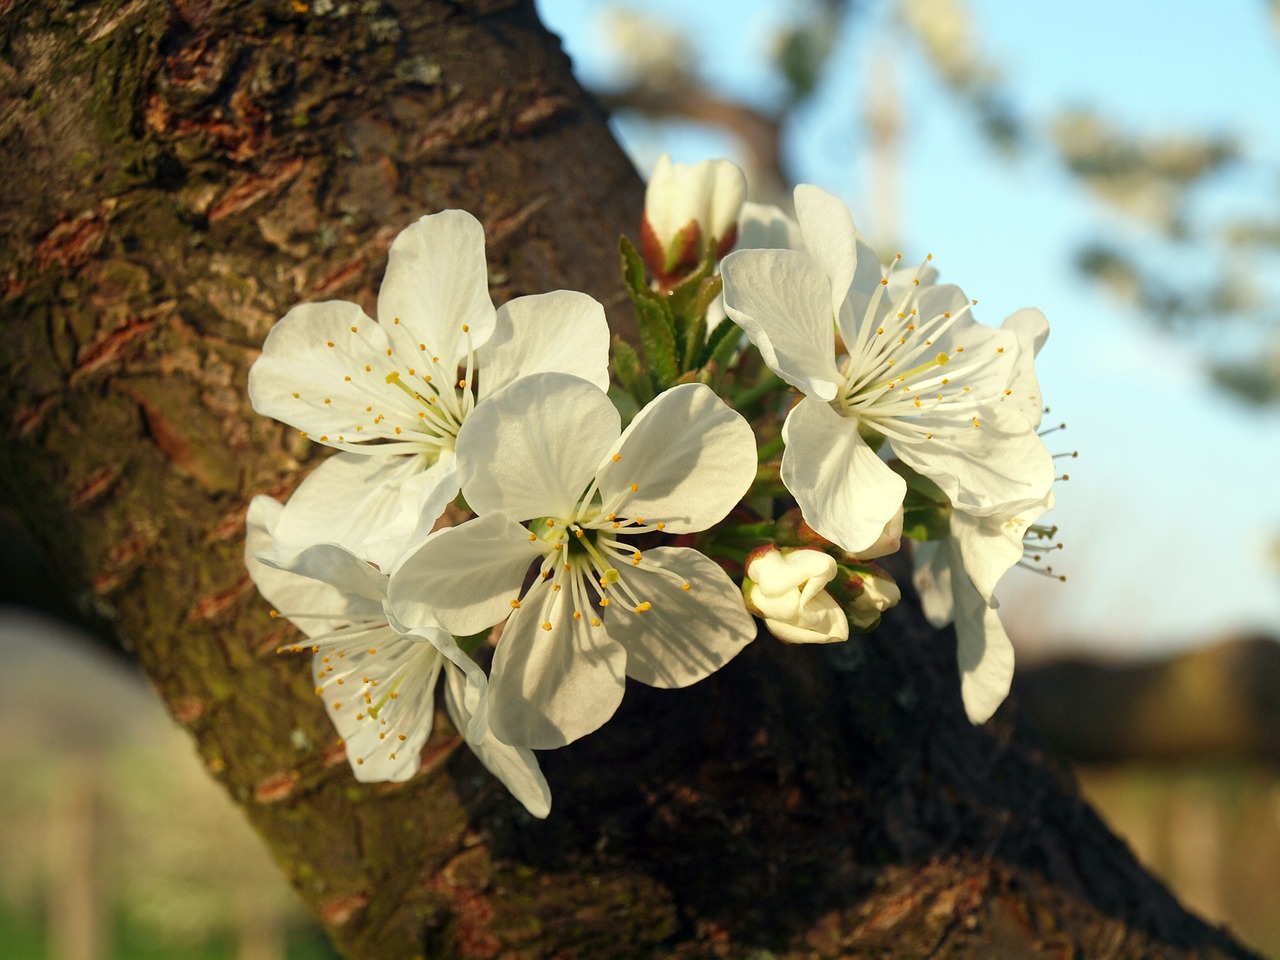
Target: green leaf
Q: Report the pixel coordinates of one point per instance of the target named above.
(653, 317)
(721, 344)
(924, 489)
(928, 522)
(629, 372)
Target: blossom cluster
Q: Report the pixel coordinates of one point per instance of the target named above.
(629, 520)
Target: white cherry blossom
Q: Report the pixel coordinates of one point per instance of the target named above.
(561, 490)
(914, 370)
(377, 677)
(392, 396)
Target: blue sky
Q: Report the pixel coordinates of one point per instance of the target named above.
(1172, 504)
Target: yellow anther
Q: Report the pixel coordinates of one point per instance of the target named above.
(353, 330)
(401, 737)
(686, 586)
(546, 625)
(296, 397)
(604, 601)
(977, 422)
(422, 347)
(465, 328)
(884, 283)
(595, 621)
(397, 321)
(533, 537)
(577, 615)
(646, 606)
(328, 400)
(330, 343)
(617, 457)
(635, 487)
(515, 604)
(661, 525)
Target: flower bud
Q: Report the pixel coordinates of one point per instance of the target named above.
(866, 591)
(688, 209)
(786, 588)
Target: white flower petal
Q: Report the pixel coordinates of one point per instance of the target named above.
(830, 238)
(845, 491)
(436, 283)
(1000, 465)
(988, 547)
(292, 592)
(854, 317)
(383, 736)
(1032, 330)
(983, 653)
(531, 450)
(547, 688)
(559, 332)
(782, 301)
(763, 226)
(932, 579)
(685, 635)
(690, 457)
(464, 577)
(311, 375)
(516, 767)
(373, 506)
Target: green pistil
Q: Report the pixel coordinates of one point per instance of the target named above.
(382, 700)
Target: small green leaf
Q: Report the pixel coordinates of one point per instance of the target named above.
(721, 344)
(629, 372)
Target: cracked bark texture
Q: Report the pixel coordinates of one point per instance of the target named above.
(178, 173)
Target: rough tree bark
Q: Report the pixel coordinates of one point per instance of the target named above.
(177, 174)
